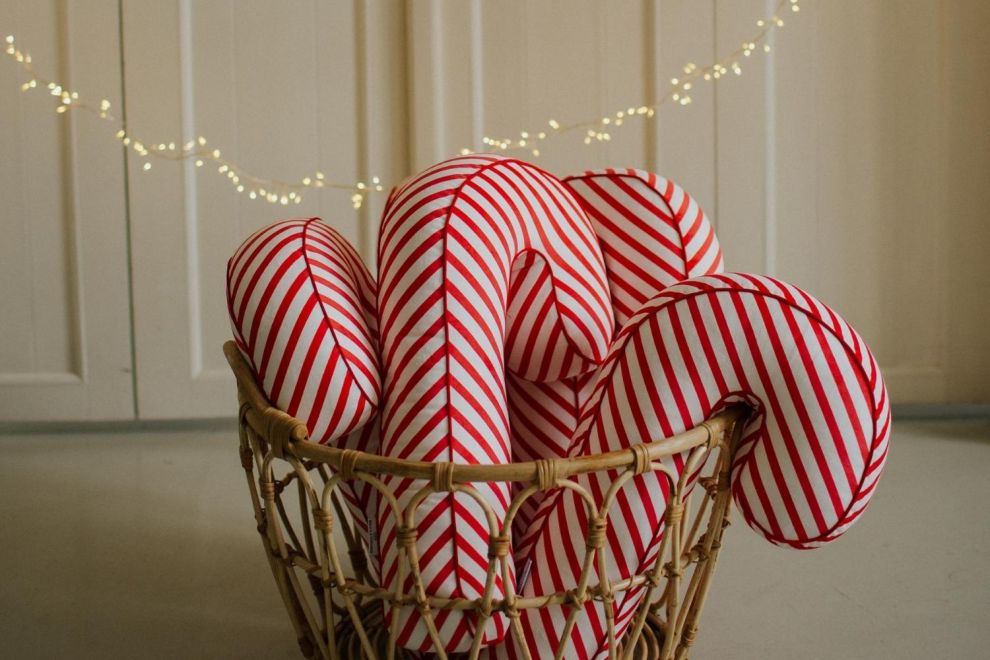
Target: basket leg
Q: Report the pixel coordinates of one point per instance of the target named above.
(686, 625)
(706, 571)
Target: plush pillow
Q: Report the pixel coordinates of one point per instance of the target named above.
(301, 307)
(653, 235)
(457, 245)
(808, 462)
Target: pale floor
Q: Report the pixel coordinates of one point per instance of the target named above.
(142, 545)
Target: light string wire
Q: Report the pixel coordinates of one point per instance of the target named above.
(278, 191)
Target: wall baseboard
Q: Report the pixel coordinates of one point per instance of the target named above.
(902, 411)
(119, 426)
(940, 410)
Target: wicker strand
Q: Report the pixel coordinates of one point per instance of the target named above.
(714, 437)
(247, 458)
(443, 477)
(323, 520)
(267, 490)
(405, 537)
(348, 458)
(597, 527)
(498, 546)
(546, 473)
(641, 459)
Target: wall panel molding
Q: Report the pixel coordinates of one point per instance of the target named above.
(63, 263)
(284, 93)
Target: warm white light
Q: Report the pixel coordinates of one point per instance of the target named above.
(678, 93)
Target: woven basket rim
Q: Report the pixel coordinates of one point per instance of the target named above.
(289, 435)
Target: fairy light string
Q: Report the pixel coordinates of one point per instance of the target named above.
(679, 91)
(203, 153)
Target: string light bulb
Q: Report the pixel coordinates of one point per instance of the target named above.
(678, 93)
(277, 191)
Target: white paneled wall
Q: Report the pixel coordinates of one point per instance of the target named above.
(65, 351)
(284, 89)
(852, 161)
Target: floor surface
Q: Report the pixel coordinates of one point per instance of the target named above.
(143, 546)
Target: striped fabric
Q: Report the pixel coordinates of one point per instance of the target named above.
(653, 235)
(542, 419)
(808, 463)
(459, 245)
(301, 305)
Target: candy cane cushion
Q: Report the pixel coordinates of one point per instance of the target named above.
(653, 235)
(455, 243)
(807, 465)
(301, 306)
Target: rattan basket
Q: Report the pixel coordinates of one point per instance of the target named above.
(335, 607)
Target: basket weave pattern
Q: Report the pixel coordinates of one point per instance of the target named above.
(335, 606)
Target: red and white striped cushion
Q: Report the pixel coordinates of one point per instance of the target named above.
(301, 304)
(808, 463)
(457, 245)
(653, 235)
